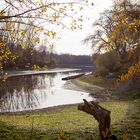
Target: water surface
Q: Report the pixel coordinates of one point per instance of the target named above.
(39, 91)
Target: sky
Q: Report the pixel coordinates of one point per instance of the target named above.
(71, 41)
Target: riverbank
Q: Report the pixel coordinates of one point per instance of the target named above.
(106, 90)
(71, 123)
(75, 124)
(68, 122)
(29, 72)
(102, 89)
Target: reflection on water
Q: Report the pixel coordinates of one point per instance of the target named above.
(38, 91)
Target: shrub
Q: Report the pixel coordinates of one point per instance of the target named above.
(107, 63)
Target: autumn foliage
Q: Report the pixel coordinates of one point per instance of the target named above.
(118, 30)
(24, 23)
(133, 71)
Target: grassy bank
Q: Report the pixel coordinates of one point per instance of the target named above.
(129, 127)
(99, 87)
(99, 82)
(72, 124)
(75, 124)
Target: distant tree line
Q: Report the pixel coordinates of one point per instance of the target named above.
(73, 59)
(27, 57)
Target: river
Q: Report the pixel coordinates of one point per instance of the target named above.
(39, 91)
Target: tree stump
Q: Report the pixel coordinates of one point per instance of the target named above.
(100, 114)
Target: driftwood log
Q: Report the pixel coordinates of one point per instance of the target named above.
(101, 115)
(73, 76)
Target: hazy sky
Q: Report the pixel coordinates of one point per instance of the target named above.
(70, 41)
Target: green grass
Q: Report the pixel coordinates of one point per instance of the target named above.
(102, 87)
(76, 124)
(130, 126)
(108, 83)
(88, 84)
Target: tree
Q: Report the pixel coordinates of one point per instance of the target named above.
(107, 62)
(118, 30)
(23, 22)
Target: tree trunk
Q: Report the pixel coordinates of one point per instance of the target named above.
(100, 114)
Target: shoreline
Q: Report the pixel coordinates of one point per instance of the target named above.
(40, 110)
(76, 84)
(30, 72)
(93, 92)
(124, 116)
(75, 87)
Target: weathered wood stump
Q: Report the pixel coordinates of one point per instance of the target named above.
(100, 114)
